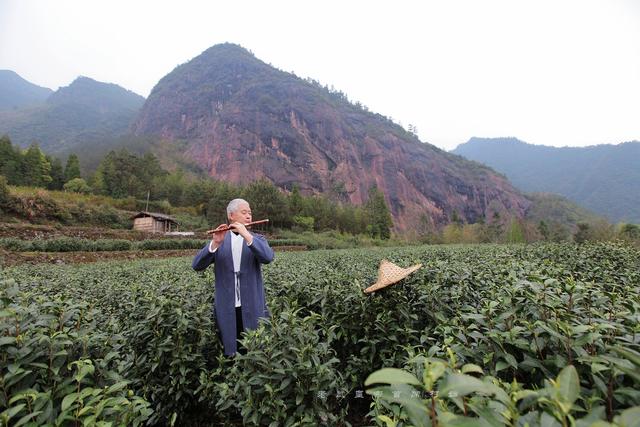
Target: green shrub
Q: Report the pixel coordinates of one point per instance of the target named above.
(518, 313)
(67, 244)
(289, 375)
(169, 341)
(113, 245)
(77, 185)
(5, 197)
(70, 244)
(55, 367)
(450, 394)
(286, 242)
(162, 244)
(303, 223)
(17, 245)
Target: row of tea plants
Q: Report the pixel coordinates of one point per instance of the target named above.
(480, 335)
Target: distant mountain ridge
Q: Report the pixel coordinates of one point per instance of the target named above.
(602, 178)
(85, 112)
(16, 92)
(239, 119)
(233, 117)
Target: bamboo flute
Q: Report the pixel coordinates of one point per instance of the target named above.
(262, 221)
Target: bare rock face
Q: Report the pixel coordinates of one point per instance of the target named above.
(244, 120)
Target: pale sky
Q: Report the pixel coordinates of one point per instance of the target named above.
(562, 73)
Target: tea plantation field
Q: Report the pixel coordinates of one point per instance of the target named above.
(542, 335)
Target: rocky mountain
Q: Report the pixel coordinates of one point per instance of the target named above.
(240, 119)
(602, 178)
(16, 92)
(85, 113)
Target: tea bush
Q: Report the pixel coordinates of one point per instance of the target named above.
(68, 244)
(511, 317)
(451, 395)
(289, 375)
(58, 368)
(158, 244)
(112, 245)
(168, 346)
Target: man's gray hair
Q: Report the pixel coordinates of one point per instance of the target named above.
(234, 205)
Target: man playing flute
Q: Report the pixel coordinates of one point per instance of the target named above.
(239, 291)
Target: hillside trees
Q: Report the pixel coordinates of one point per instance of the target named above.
(267, 202)
(57, 174)
(36, 168)
(72, 168)
(4, 193)
(122, 174)
(31, 167)
(10, 161)
(380, 221)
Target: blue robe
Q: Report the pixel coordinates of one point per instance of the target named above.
(252, 295)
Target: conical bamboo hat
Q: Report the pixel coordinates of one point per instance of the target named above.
(389, 273)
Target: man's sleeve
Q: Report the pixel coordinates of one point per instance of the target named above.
(261, 249)
(204, 258)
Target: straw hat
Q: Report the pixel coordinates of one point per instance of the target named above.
(389, 273)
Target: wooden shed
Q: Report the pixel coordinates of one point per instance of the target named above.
(152, 222)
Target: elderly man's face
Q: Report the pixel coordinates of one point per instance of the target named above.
(242, 214)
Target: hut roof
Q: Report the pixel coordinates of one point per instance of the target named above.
(155, 215)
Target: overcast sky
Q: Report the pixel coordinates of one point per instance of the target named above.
(562, 73)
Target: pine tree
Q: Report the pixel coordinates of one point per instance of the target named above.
(11, 162)
(57, 174)
(295, 201)
(380, 221)
(36, 167)
(267, 202)
(72, 169)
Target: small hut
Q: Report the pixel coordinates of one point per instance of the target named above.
(152, 222)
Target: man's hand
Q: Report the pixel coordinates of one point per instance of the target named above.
(218, 236)
(242, 230)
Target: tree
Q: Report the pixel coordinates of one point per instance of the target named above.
(452, 233)
(495, 227)
(543, 228)
(5, 197)
(77, 185)
(601, 230)
(380, 221)
(303, 223)
(172, 187)
(57, 174)
(122, 174)
(455, 218)
(11, 162)
(72, 168)
(350, 219)
(295, 201)
(220, 194)
(36, 167)
(630, 231)
(267, 201)
(582, 233)
(472, 233)
(515, 234)
(323, 211)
